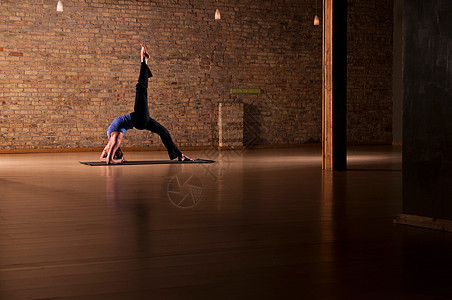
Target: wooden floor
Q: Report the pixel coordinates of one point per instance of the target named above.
(258, 224)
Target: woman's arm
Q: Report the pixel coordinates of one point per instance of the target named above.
(110, 150)
(103, 156)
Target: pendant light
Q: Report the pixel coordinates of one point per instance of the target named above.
(217, 14)
(60, 6)
(316, 18)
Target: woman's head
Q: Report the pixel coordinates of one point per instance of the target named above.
(118, 154)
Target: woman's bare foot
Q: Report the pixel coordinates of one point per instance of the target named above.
(144, 54)
(184, 158)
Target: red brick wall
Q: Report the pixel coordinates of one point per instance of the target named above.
(65, 76)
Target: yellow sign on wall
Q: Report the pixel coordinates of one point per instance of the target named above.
(245, 91)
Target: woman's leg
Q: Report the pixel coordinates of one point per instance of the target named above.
(140, 115)
(156, 127)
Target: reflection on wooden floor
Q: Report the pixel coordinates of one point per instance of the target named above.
(256, 224)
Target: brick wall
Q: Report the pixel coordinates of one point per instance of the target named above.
(369, 74)
(230, 125)
(65, 76)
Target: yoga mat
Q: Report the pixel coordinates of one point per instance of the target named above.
(149, 162)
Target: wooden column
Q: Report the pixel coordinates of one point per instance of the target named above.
(334, 85)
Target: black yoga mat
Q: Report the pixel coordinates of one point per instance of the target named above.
(149, 162)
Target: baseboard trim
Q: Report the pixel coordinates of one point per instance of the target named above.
(67, 150)
(423, 222)
(62, 150)
(182, 148)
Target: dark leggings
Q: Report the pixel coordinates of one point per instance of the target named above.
(141, 118)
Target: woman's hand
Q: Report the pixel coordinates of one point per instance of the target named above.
(103, 156)
(109, 150)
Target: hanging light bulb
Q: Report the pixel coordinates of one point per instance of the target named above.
(60, 6)
(217, 14)
(316, 20)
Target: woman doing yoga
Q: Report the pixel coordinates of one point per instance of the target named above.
(139, 119)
